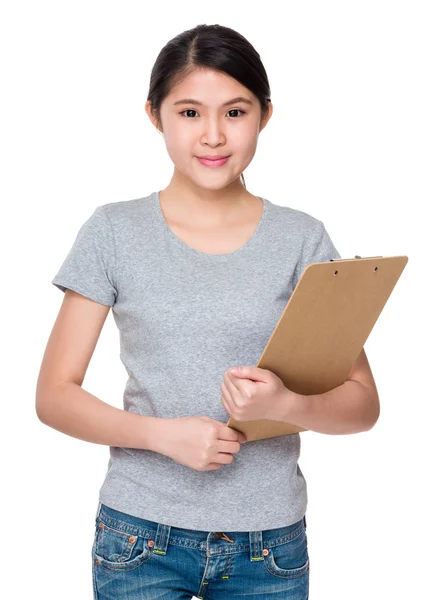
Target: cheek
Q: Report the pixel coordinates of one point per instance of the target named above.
(247, 151)
(178, 146)
(179, 141)
(245, 143)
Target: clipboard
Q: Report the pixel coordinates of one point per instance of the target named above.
(323, 329)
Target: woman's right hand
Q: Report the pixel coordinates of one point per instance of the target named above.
(200, 443)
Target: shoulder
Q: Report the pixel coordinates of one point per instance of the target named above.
(124, 213)
(126, 208)
(299, 220)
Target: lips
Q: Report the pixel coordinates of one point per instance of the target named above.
(212, 161)
(212, 157)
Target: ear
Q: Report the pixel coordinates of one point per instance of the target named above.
(151, 115)
(266, 117)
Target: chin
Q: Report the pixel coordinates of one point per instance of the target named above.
(210, 184)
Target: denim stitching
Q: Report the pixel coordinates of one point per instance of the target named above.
(180, 541)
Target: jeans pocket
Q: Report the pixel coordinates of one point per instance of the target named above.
(116, 550)
(289, 559)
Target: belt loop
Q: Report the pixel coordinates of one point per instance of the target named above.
(304, 521)
(256, 545)
(162, 538)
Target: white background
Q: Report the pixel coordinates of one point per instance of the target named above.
(351, 141)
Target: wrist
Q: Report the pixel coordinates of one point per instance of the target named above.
(148, 432)
(294, 407)
(155, 433)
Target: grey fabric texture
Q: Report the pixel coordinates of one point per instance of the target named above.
(185, 317)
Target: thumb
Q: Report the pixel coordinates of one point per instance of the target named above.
(248, 372)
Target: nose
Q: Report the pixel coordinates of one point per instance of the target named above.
(213, 133)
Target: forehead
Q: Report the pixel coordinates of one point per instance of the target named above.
(209, 86)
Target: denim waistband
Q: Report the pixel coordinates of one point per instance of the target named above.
(213, 542)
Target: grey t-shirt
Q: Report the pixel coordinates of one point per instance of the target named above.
(185, 317)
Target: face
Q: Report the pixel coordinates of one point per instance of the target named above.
(214, 125)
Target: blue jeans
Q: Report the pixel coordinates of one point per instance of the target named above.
(137, 559)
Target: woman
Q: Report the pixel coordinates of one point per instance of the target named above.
(197, 275)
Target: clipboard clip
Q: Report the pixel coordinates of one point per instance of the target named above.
(357, 257)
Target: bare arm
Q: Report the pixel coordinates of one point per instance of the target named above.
(63, 404)
(348, 408)
(70, 409)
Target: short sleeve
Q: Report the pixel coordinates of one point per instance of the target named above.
(89, 267)
(317, 247)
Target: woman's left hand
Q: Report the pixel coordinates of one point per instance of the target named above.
(253, 393)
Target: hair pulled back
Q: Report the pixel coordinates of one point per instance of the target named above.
(210, 47)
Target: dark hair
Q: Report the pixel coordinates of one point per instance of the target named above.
(208, 46)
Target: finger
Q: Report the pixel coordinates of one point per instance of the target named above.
(226, 406)
(253, 373)
(226, 395)
(239, 389)
(231, 382)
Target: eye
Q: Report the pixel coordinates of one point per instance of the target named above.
(237, 110)
(187, 110)
(191, 110)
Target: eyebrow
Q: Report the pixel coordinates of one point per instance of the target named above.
(232, 101)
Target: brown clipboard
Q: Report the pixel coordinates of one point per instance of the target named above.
(323, 329)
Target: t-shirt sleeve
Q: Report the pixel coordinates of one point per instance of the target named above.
(317, 247)
(89, 267)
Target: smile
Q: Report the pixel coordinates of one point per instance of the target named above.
(212, 163)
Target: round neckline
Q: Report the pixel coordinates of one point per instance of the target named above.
(216, 257)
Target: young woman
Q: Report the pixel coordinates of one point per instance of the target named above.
(197, 275)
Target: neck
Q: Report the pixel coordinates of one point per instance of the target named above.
(217, 204)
